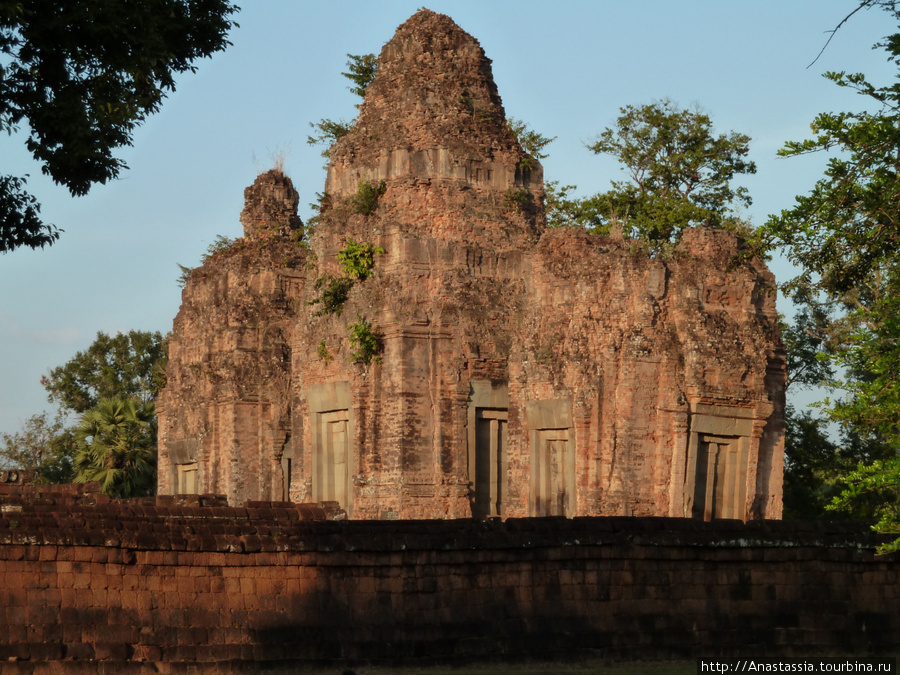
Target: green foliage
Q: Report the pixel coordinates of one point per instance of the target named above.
(808, 364)
(126, 365)
(221, 243)
(365, 201)
(517, 200)
(532, 142)
(362, 70)
(300, 237)
(323, 352)
(82, 76)
(366, 345)
(843, 235)
(680, 172)
(814, 461)
(322, 204)
(815, 466)
(117, 447)
(328, 133)
(565, 210)
(20, 220)
(878, 483)
(335, 291)
(358, 258)
(811, 466)
(680, 177)
(44, 445)
(184, 275)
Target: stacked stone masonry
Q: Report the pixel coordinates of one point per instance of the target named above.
(524, 371)
(187, 584)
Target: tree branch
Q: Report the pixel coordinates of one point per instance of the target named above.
(864, 3)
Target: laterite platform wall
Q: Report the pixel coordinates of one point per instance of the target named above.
(88, 585)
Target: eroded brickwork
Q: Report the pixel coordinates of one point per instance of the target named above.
(524, 371)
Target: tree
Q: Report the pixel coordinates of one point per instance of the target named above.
(844, 236)
(680, 173)
(117, 447)
(44, 445)
(532, 142)
(128, 365)
(124, 365)
(816, 467)
(84, 74)
(362, 70)
(565, 210)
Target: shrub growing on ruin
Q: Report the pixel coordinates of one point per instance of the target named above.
(362, 69)
(517, 200)
(366, 199)
(221, 243)
(335, 291)
(358, 258)
(323, 352)
(365, 343)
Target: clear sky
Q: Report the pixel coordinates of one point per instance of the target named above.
(564, 67)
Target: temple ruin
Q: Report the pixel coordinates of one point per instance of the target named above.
(510, 369)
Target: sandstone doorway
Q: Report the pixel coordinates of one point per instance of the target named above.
(186, 482)
(332, 444)
(720, 481)
(554, 473)
(333, 467)
(490, 462)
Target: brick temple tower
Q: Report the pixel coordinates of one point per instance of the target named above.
(521, 370)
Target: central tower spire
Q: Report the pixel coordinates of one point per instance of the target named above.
(432, 114)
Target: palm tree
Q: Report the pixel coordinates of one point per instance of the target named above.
(116, 446)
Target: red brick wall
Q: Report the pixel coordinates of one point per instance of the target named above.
(137, 584)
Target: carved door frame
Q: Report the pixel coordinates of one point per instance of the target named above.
(729, 431)
(488, 401)
(330, 403)
(550, 424)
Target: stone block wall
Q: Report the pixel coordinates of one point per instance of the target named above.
(191, 585)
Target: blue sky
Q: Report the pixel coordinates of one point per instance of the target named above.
(564, 67)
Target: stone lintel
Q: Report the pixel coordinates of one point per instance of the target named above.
(329, 396)
(183, 451)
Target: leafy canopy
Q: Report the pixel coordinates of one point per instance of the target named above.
(125, 365)
(362, 70)
(680, 172)
(84, 74)
(844, 236)
(44, 445)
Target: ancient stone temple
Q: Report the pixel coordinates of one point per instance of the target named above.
(482, 365)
